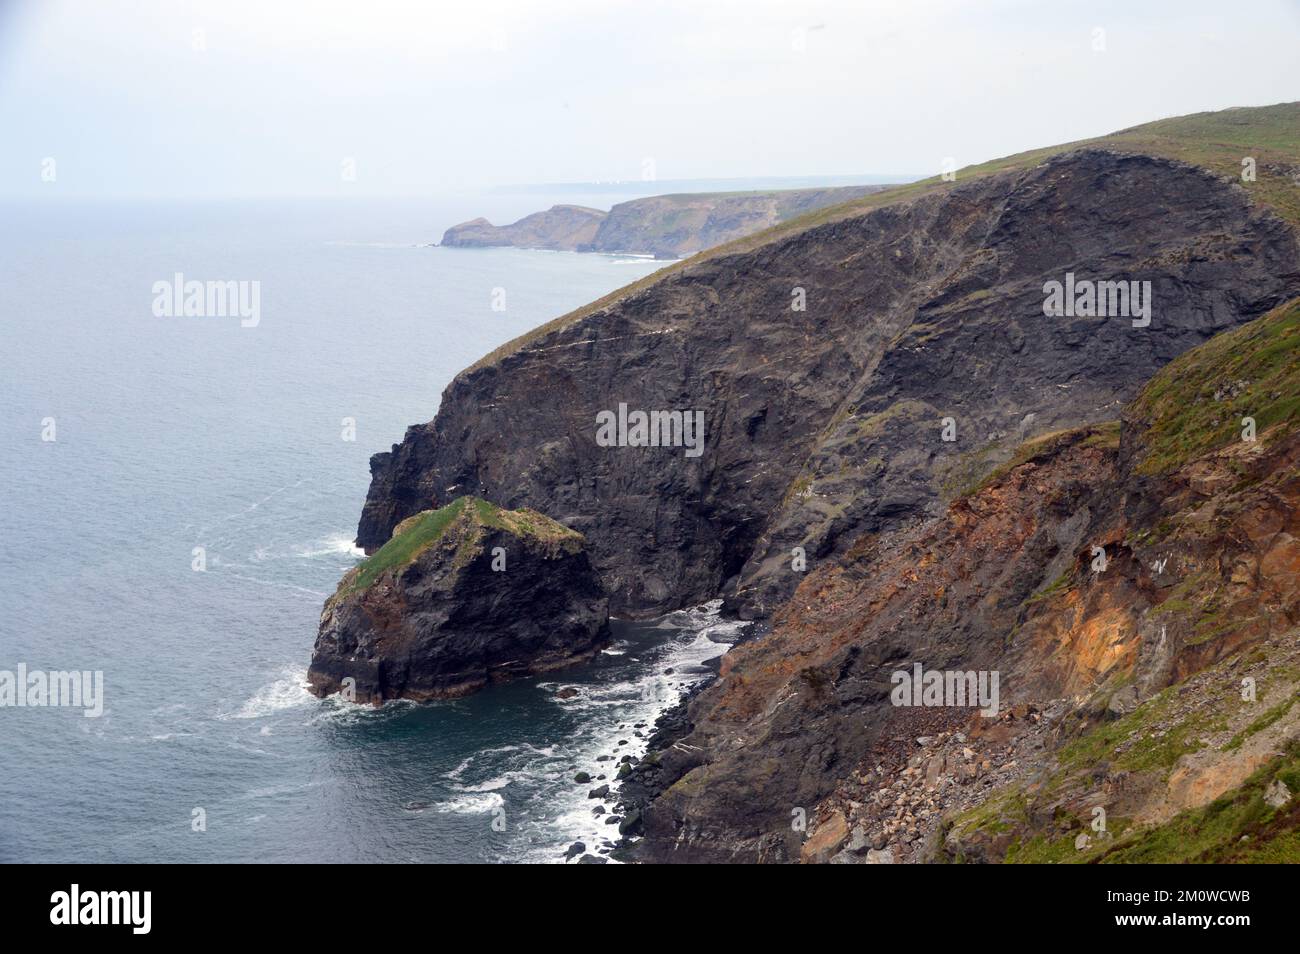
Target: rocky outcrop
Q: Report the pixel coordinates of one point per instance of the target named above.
(825, 423)
(559, 228)
(906, 464)
(458, 597)
(1123, 580)
(665, 226)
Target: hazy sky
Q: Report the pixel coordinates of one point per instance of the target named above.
(258, 97)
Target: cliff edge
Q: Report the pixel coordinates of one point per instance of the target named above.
(459, 596)
(665, 226)
(826, 362)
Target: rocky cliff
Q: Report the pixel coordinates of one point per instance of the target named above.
(458, 597)
(675, 226)
(665, 226)
(910, 460)
(826, 422)
(1125, 580)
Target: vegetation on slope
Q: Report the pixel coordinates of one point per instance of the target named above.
(416, 534)
(1196, 404)
(411, 538)
(1203, 714)
(1190, 410)
(1239, 827)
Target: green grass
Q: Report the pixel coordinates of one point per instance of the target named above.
(416, 534)
(522, 522)
(410, 538)
(1042, 850)
(1213, 833)
(1237, 828)
(996, 814)
(1215, 141)
(1060, 849)
(1260, 724)
(1143, 750)
(1184, 419)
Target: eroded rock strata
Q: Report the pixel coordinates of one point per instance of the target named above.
(924, 470)
(1122, 681)
(458, 597)
(823, 424)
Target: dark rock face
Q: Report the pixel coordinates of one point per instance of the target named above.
(441, 621)
(825, 423)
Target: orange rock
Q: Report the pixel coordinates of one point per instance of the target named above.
(825, 839)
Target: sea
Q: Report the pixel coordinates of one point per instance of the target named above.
(181, 495)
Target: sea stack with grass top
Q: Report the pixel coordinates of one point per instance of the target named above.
(459, 597)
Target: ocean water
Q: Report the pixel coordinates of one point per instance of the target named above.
(172, 434)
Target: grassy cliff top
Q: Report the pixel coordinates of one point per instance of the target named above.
(1216, 141)
(1196, 403)
(416, 534)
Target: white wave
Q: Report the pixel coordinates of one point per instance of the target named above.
(456, 773)
(533, 752)
(546, 751)
(624, 258)
(617, 710)
(471, 804)
(336, 544)
(246, 748)
(493, 784)
(287, 692)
